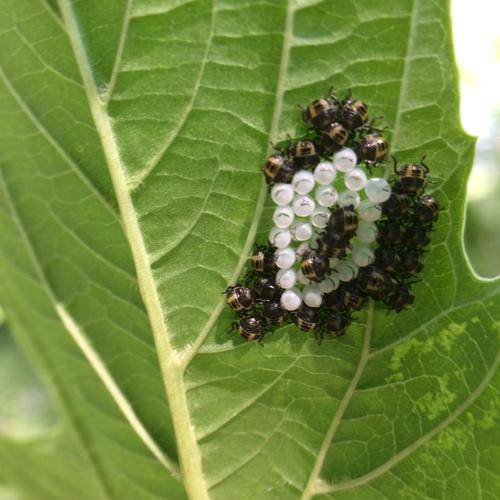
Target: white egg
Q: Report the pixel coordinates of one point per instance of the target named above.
(369, 211)
(345, 160)
(303, 182)
(355, 179)
(367, 232)
(282, 194)
(320, 217)
(327, 285)
(283, 216)
(333, 261)
(303, 206)
(362, 255)
(326, 196)
(302, 231)
(349, 198)
(285, 257)
(335, 280)
(302, 249)
(286, 278)
(291, 299)
(345, 271)
(325, 173)
(312, 295)
(302, 279)
(280, 238)
(377, 189)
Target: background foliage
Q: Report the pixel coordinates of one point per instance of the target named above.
(130, 196)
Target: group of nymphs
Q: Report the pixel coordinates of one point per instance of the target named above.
(340, 236)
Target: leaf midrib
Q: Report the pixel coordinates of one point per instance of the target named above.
(171, 368)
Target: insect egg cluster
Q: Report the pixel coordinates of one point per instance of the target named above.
(340, 235)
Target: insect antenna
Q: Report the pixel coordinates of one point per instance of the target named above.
(370, 128)
(423, 164)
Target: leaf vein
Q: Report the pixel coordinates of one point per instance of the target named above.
(310, 488)
(393, 461)
(137, 179)
(245, 252)
(57, 147)
(119, 52)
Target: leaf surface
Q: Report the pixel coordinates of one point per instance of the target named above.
(130, 197)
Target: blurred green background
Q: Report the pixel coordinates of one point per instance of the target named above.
(25, 409)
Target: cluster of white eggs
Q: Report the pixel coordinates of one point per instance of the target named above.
(303, 209)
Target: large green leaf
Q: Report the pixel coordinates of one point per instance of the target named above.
(132, 133)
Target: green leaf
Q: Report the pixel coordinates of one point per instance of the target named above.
(130, 197)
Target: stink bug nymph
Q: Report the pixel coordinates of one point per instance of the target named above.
(331, 244)
(354, 113)
(278, 169)
(418, 237)
(314, 266)
(391, 234)
(333, 137)
(373, 281)
(411, 262)
(321, 112)
(306, 319)
(239, 297)
(263, 260)
(250, 328)
(274, 314)
(344, 220)
(401, 299)
(387, 258)
(372, 149)
(396, 206)
(336, 324)
(412, 176)
(335, 300)
(353, 297)
(427, 209)
(267, 290)
(304, 154)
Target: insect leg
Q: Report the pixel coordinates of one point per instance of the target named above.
(395, 164)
